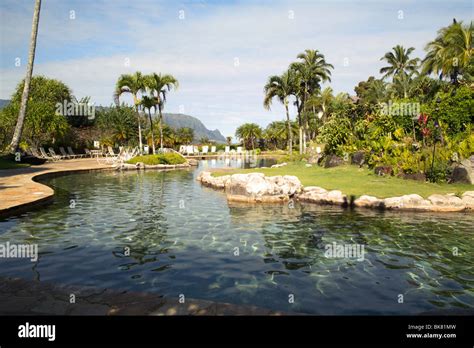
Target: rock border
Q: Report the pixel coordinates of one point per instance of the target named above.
(319, 195)
(142, 166)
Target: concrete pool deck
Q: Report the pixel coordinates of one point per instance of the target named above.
(18, 188)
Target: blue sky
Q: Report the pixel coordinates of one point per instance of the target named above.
(90, 51)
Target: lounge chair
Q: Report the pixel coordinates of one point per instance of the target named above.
(45, 155)
(88, 152)
(71, 153)
(64, 153)
(189, 149)
(227, 150)
(54, 154)
(196, 150)
(239, 150)
(205, 149)
(182, 148)
(213, 149)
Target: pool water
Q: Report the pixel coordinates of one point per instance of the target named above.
(187, 239)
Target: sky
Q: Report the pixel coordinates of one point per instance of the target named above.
(222, 52)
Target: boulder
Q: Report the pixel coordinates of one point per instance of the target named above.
(255, 187)
(315, 189)
(409, 202)
(468, 199)
(446, 203)
(279, 165)
(333, 161)
(463, 173)
(358, 158)
(383, 170)
(369, 202)
(414, 176)
(319, 195)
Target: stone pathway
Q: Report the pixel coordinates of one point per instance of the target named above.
(25, 297)
(19, 190)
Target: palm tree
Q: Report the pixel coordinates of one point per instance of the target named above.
(149, 103)
(399, 62)
(311, 71)
(133, 84)
(229, 140)
(451, 52)
(29, 72)
(249, 133)
(159, 85)
(281, 87)
(185, 135)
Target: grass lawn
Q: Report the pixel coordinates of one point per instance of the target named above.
(167, 158)
(352, 180)
(7, 163)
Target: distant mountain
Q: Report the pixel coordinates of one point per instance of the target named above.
(174, 121)
(3, 103)
(200, 131)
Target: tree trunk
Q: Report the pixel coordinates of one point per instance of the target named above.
(29, 72)
(152, 135)
(161, 128)
(290, 133)
(139, 130)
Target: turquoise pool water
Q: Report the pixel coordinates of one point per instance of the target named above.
(184, 239)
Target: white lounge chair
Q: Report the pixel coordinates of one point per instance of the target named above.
(227, 150)
(54, 154)
(205, 149)
(189, 149)
(213, 149)
(45, 155)
(64, 153)
(71, 153)
(239, 150)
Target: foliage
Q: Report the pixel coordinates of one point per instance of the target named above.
(249, 133)
(165, 158)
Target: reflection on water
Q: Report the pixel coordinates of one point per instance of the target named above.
(183, 239)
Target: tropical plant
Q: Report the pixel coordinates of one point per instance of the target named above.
(159, 86)
(185, 135)
(148, 103)
(249, 133)
(135, 85)
(228, 140)
(399, 62)
(281, 87)
(451, 52)
(26, 88)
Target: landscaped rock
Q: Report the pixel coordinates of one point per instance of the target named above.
(468, 199)
(256, 185)
(463, 173)
(333, 161)
(358, 158)
(446, 203)
(315, 189)
(414, 176)
(410, 202)
(369, 202)
(279, 165)
(217, 182)
(321, 196)
(383, 170)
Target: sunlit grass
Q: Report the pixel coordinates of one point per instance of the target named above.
(356, 181)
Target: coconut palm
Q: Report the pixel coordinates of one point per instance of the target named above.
(399, 62)
(148, 103)
(451, 52)
(159, 85)
(133, 84)
(29, 72)
(310, 72)
(281, 87)
(249, 133)
(228, 140)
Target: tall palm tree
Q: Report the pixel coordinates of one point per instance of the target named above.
(29, 72)
(399, 62)
(149, 103)
(229, 140)
(159, 85)
(281, 87)
(311, 71)
(451, 52)
(133, 84)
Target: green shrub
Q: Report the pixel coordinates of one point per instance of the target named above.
(167, 158)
